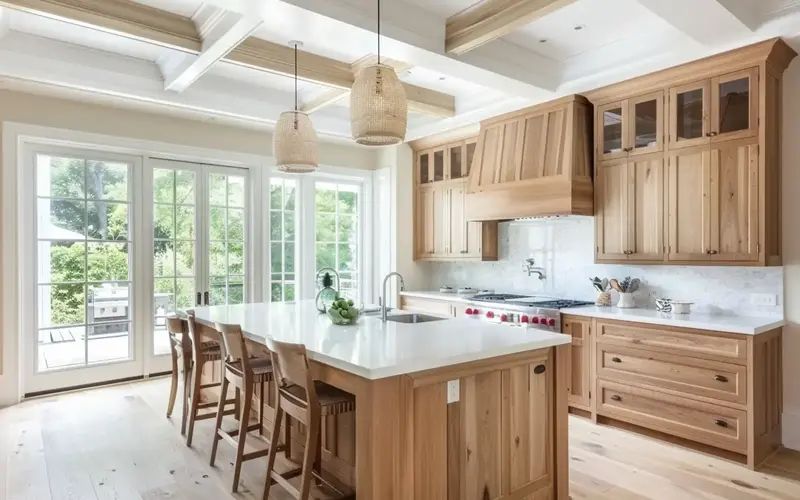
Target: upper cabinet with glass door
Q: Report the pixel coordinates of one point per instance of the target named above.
(714, 110)
(447, 162)
(630, 127)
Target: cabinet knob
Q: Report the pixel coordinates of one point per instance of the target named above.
(713, 252)
(721, 378)
(616, 398)
(616, 360)
(539, 369)
(721, 423)
(712, 134)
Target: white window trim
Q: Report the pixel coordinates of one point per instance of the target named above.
(305, 265)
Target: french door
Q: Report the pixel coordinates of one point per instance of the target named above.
(113, 245)
(199, 240)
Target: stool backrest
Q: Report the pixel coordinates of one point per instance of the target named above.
(234, 345)
(290, 367)
(177, 325)
(197, 336)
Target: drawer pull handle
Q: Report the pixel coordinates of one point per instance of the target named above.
(616, 360)
(721, 423)
(616, 398)
(721, 378)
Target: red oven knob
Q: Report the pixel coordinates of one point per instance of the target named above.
(551, 322)
(504, 318)
(490, 315)
(535, 320)
(468, 312)
(475, 312)
(524, 319)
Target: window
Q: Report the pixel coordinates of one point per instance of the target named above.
(337, 234)
(282, 201)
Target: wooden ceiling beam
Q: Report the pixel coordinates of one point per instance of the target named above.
(488, 20)
(141, 22)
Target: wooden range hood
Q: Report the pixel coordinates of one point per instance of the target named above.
(533, 162)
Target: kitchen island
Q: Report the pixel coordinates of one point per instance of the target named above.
(500, 432)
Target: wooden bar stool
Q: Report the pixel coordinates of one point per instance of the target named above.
(204, 349)
(244, 373)
(181, 351)
(307, 400)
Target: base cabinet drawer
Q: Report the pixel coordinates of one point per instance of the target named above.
(427, 306)
(706, 423)
(697, 377)
(706, 345)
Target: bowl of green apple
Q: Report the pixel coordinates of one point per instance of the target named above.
(342, 312)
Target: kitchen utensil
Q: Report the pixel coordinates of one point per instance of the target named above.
(681, 306)
(615, 285)
(634, 285)
(625, 284)
(663, 305)
(626, 301)
(604, 285)
(597, 284)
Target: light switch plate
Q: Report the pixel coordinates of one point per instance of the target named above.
(764, 299)
(453, 391)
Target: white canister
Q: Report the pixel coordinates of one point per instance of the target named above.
(626, 301)
(681, 307)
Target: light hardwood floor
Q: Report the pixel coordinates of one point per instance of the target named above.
(115, 443)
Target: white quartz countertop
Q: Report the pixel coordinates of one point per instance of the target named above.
(746, 325)
(373, 349)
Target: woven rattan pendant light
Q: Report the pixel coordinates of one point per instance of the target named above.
(378, 106)
(295, 141)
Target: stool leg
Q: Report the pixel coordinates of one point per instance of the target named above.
(237, 403)
(312, 435)
(273, 447)
(287, 437)
(196, 379)
(243, 421)
(187, 370)
(318, 459)
(218, 423)
(260, 411)
(173, 389)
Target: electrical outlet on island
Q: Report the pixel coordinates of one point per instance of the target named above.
(764, 299)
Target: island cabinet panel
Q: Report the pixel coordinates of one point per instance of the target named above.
(580, 380)
(495, 442)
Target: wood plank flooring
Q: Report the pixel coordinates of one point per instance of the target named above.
(115, 443)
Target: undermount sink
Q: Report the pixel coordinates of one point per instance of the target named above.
(413, 318)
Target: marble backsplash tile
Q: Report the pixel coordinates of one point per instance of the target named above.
(564, 248)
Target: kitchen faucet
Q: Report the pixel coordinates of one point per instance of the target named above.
(383, 292)
(530, 268)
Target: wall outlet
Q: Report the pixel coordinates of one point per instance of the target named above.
(453, 391)
(764, 299)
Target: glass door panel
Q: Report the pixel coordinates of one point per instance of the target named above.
(337, 243)
(438, 165)
(457, 170)
(470, 156)
(282, 218)
(689, 114)
(735, 105)
(647, 119)
(83, 256)
(424, 174)
(174, 247)
(613, 130)
(226, 243)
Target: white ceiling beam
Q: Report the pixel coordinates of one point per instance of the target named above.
(707, 22)
(221, 32)
(127, 18)
(31, 58)
(489, 20)
(411, 34)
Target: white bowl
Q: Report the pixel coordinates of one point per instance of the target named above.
(681, 306)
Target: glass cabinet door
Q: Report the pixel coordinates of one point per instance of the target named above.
(646, 114)
(456, 161)
(612, 130)
(734, 107)
(423, 167)
(438, 165)
(469, 156)
(689, 114)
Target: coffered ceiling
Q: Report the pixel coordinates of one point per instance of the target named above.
(460, 60)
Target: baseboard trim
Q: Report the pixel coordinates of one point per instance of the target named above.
(791, 429)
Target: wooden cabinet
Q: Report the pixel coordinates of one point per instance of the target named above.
(720, 162)
(631, 127)
(718, 389)
(580, 382)
(441, 230)
(713, 204)
(629, 219)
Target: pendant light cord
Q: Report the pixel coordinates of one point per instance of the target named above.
(379, 31)
(295, 77)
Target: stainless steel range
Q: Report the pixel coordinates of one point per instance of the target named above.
(521, 310)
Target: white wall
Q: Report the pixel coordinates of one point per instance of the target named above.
(791, 255)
